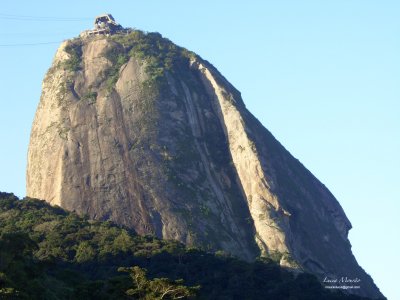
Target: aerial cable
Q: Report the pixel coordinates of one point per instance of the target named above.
(37, 18)
(28, 44)
(31, 34)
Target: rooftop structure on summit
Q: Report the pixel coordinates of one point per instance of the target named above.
(103, 25)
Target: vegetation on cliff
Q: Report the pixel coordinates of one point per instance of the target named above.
(159, 54)
(48, 253)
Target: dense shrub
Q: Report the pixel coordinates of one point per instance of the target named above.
(74, 49)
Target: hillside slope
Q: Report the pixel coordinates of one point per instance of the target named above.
(49, 253)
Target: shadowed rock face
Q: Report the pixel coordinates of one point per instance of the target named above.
(167, 147)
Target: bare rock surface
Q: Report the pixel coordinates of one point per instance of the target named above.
(163, 143)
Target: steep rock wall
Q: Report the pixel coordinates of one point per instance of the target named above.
(179, 157)
(134, 155)
(292, 211)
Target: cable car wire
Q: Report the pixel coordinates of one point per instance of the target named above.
(33, 34)
(28, 44)
(13, 17)
(41, 18)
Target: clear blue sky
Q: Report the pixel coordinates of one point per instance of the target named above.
(322, 76)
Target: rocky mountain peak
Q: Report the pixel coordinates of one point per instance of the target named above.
(134, 129)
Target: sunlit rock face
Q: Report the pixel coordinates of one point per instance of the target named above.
(133, 129)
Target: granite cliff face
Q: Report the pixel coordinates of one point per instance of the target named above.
(133, 129)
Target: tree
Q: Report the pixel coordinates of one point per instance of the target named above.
(85, 252)
(158, 288)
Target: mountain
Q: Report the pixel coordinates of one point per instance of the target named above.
(49, 253)
(136, 130)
